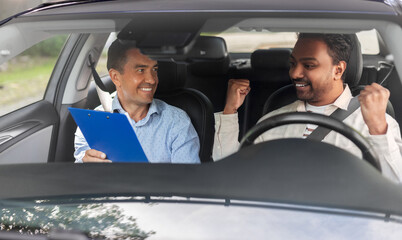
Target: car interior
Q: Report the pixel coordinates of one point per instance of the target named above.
(198, 84)
(195, 61)
(194, 76)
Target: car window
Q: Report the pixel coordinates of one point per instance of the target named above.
(241, 41)
(24, 78)
(369, 42)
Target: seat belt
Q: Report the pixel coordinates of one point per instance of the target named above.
(103, 94)
(320, 132)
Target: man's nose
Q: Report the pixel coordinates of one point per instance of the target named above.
(151, 78)
(296, 72)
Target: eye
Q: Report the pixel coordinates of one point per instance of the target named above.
(309, 66)
(155, 69)
(292, 64)
(140, 70)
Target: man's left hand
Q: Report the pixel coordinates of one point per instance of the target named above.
(373, 101)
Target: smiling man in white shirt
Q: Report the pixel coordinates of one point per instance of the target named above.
(317, 66)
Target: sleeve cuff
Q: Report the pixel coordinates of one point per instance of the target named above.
(231, 122)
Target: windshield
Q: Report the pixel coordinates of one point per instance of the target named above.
(184, 218)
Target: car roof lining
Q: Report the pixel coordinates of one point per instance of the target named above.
(353, 6)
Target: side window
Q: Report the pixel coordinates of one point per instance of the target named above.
(369, 42)
(23, 79)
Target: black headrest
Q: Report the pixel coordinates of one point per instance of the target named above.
(209, 57)
(171, 76)
(355, 64)
(276, 58)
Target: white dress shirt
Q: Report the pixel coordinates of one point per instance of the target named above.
(387, 146)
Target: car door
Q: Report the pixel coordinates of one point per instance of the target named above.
(35, 65)
(29, 84)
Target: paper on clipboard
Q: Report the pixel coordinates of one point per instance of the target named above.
(110, 133)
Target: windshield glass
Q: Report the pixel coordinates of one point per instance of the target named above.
(182, 218)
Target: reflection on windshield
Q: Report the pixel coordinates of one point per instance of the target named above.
(191, 218)
(98, 221)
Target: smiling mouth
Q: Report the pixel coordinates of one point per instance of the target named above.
(301, 84)
(146, 89)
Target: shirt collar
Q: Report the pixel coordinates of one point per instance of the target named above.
(341, 102)
(154, 108)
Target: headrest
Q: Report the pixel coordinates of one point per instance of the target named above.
(209, 57)
(276, 58)
(170, 75)
(355, 64)
(212, 48)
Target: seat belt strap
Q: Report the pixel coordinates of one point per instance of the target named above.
(103, 93)
(320, 132)
(95, 74)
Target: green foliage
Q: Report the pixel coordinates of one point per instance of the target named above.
(100, 221)
(48, 48)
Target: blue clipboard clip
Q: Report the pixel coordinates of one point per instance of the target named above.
(110, 133)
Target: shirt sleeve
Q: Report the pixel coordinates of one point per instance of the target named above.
(389, 149)
(226, 135)
(185, 144)
(80, 145)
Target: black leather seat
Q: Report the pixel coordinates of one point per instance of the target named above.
(208, 66)
(171, 89)
(270, 72)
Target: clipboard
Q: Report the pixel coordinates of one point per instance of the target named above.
(110, 133)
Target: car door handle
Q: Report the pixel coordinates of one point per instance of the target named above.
(13, 131)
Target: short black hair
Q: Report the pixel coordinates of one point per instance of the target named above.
(117, 54)
(339, 45)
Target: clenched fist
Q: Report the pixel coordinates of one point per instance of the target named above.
(237, 92)
(373, 101)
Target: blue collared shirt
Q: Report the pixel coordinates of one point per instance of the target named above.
(165, 134)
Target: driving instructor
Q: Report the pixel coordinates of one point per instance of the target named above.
(164, 132)
(317, 66)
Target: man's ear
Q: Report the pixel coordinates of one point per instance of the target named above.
(115, 77)
(340, 68)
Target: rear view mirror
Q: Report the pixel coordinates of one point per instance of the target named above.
(162, 36)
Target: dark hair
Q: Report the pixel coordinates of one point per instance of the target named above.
(116, 55)
(339, 45)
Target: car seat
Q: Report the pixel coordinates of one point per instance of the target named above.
(171, 89)
(270, 72)
(207, 71)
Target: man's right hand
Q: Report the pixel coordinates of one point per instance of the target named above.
(237, 92)
(93, 155)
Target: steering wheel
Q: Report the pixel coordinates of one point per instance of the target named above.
(321, 120)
